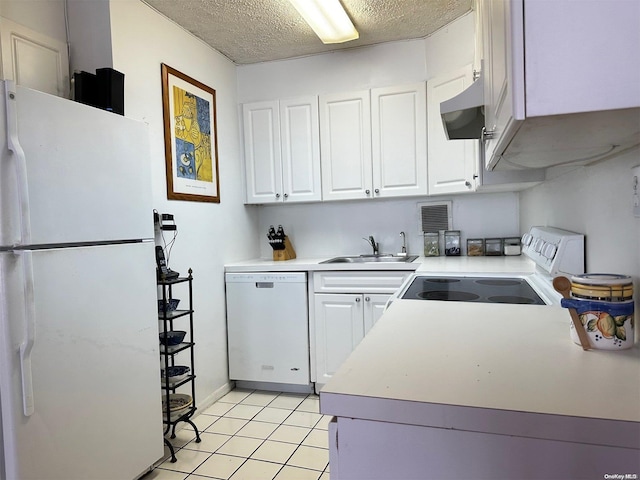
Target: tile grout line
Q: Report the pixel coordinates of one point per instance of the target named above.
(262, 440)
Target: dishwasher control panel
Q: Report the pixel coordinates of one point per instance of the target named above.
(257, 277)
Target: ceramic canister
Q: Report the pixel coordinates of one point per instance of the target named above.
(604, 303)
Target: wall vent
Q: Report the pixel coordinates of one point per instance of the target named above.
(435, 216)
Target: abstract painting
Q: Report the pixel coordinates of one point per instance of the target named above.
(190, 138)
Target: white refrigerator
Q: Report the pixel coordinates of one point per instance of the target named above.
(79, 369)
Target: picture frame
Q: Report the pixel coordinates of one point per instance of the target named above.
(190, 138)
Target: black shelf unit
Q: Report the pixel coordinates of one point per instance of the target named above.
(167, 354)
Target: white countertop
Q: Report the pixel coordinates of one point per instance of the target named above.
(474, 366)
(510, 264)
(506, 369)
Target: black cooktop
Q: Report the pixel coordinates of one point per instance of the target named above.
(473, 289)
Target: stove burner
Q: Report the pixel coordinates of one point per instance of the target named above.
(512, 290)
(448, 295)
(498, 282)
(512, 299)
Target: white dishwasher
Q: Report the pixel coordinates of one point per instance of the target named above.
(268, 327)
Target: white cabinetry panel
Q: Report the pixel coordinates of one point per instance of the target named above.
(339, 328)
(345, 136)
(263, 165)
(299, 136)
(282, 151)
(561, 82)
(453, 164)
(399, 142)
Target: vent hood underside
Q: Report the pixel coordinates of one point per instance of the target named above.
(463, 115)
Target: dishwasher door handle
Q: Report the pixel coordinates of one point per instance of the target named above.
(264, 284)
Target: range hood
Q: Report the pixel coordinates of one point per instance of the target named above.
(463, 115)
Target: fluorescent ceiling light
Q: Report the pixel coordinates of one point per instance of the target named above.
(328, 19)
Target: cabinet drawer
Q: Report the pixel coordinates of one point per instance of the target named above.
(359, 282)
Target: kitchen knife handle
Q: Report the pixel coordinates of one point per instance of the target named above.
(26, 347)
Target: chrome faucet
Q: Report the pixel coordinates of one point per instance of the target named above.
(373, 244)
(404, 245)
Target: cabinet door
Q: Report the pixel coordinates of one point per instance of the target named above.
(345, 139)
(399, 142)
(338, 330)
(453, 164)
(34, 60)
(503, 42)
(373, 309)
(263, 166)
(300, 140)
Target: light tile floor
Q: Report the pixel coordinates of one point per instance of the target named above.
(252, 435)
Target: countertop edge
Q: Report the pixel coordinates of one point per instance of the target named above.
(596, 431)
(462, 264)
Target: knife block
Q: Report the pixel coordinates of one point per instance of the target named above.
(288, 253)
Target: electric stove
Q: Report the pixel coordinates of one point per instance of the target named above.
(553, 251)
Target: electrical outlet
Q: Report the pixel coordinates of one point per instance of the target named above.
(635, 172)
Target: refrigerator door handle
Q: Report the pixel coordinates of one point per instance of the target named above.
(13, 143)
(26, 346)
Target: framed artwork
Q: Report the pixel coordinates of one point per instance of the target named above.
(190, 138)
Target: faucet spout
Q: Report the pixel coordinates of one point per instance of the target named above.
(371, 241)
(404, 244)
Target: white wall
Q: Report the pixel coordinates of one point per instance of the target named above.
(89, 35)
(208, 234)
(597, 201)
(44, 16)
(337, 228)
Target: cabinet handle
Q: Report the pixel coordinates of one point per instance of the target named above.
(286, 195)
(277, 195)
(487, 134)
(377, 190)
(467, 184)
(358, 300)
(367, 191)
(366, 299)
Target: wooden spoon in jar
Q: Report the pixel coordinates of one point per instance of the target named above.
(563, 286)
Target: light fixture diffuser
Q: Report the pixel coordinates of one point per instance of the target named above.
(328, 19)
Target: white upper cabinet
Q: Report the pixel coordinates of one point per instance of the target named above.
(281, 147)
(561, 81)
(374, 143)
(263, 163)
(453, 164)
(345, 139)
(399, 140)
(300, 148)
(503, 66)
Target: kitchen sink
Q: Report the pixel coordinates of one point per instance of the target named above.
(373, 259)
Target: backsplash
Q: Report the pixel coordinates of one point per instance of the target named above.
(338, 228)
(596, 201)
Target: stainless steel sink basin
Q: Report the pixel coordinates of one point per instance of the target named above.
(373, 259)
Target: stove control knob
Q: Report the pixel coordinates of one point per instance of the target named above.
(537, 246)
(526, 239)
(549, 251)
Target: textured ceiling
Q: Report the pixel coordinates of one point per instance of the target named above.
(252, 31)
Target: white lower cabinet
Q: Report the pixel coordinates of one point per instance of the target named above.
(341, 320)
(339, 329)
